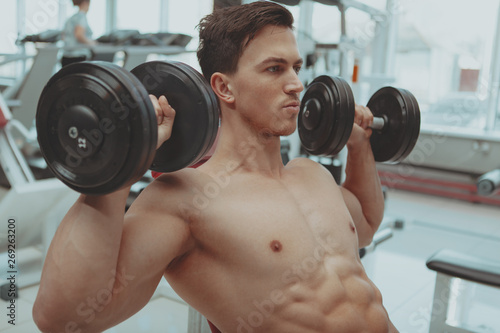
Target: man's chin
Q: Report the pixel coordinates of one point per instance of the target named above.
(284, 130)
(288, 131)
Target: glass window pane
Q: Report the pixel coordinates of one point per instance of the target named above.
(184, 16)
(97, 18)
(326, 24)
(444, 58)
(8, 26)
(41, 16)
(139, 15)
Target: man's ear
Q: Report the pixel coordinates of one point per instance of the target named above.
(221, 86)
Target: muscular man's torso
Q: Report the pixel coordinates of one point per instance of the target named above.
(269, 255)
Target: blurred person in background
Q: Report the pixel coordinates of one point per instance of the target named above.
(77, 33)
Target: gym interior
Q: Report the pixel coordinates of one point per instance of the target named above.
(436, 256)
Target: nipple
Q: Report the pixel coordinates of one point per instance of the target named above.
(276, 246)
(353, 228)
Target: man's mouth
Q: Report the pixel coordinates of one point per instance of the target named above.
(293, 105)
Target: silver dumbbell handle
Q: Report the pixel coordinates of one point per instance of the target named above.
(378, 123)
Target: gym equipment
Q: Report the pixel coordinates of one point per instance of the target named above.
(48, 36)
(488, 183)
(134, 37)
(25, 90)
(119, 37)
(380, 236)
(449, 265)
(161, 39)
(196, 123)
(97, 127)
(327, 115)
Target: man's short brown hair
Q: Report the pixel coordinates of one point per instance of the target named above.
(225, 33)
(79, 2)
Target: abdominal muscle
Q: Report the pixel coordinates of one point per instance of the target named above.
(319, 301)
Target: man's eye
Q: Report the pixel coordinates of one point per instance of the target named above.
(273, 69)
(297, 69)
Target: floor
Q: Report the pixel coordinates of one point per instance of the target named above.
(397, 266)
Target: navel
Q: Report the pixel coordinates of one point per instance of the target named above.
(276, 246)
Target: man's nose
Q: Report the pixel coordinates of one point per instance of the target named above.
(294, 85)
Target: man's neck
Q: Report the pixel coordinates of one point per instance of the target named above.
(248, 149)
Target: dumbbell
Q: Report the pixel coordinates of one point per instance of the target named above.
(97, 127)
(326, 119)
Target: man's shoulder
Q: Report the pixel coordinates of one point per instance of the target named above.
(168, 195)
(176, 183)
(303, 162)
(310, 168)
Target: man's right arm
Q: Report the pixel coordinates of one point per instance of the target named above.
(101, 268)
(81, 257)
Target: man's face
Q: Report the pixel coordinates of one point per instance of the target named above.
(266, 86)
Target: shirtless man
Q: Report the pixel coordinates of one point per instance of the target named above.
(253, 245)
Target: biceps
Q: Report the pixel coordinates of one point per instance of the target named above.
(365, 232)
(146, 251)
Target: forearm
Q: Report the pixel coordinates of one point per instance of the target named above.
(81, 36)
(363, 181)
(82, 258)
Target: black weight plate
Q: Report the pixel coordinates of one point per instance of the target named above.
(324, 123)
(407, 130)
(316, 116)
(212, 108)
(346, 115)
(389, 144)
(120, 141)
(197, 114)
(142, 102)
(413, 124)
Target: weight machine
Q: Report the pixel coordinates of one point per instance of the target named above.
(135, 47)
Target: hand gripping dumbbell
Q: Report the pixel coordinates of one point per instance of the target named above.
(97, 127)
(327, 115)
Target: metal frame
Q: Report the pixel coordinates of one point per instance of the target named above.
(32, 85)
(440, 305)
(111, 15)
(384, 47)
(164, 10)
(12, 161)
(494, 84)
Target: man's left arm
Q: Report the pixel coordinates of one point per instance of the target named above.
(362, 190)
